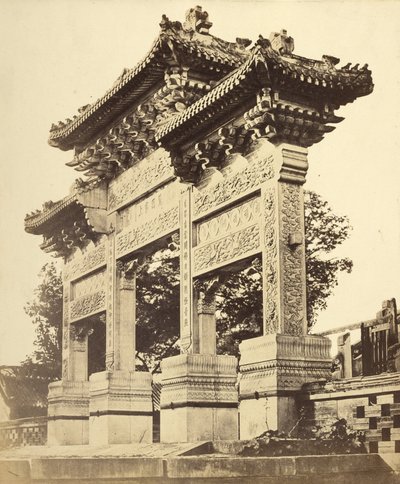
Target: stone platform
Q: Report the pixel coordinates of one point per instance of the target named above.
(173, 463)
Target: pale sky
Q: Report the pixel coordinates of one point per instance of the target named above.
(57, 55)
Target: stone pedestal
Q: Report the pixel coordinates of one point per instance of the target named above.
(121, 409)
(199, 398)
(273, 369)
(68, 413)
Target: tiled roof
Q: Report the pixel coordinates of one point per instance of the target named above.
(220, 57)
(24, 396)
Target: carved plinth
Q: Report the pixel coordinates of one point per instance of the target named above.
(68, 412)
(273, 369)
(121, 409)
(199, 398)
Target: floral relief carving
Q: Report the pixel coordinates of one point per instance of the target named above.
(87, 305)
(270, 263)
(229, 221)
(140, 178)
(293, 261)
(228, 248)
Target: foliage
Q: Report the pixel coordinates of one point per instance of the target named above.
(157, 309)
(336, 438)
(324, 232)
(46, 313)
(239, 301)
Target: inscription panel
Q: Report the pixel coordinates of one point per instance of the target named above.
(146, 175)
(149, 219)
(80, 265)
(225, 250)
(252, 173)
(186, 289)
(87, 285)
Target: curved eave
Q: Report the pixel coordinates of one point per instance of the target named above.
(313, 79)
(138, 81)
(203, 111)
(41, 222)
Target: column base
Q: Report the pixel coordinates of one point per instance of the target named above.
(121, 409)
(68, 413)
(199, 398)
(273, 370)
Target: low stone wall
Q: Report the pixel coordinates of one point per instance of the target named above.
(23, 432)
(351, 469)
(370, 404)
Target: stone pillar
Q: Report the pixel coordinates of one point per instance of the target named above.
(344, 348)
(68, 400)
(199, 398)
(204, 317)
(274, 366)
(121, 409)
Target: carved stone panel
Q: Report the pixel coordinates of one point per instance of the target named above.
(226, 250)
(65, 331)
(237, 181)
(88, 305)
(146, 175)
(293, 260)
(151, 218)
(88, 296)
(81, 265)
(228, 221)
(87, 285)
(186, 288)
(270, 263)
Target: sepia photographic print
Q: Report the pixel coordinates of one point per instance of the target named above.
(200, 241)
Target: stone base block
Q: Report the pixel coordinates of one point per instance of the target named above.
(121, 410)
(199, 398)
(273, 370)
(68, 412)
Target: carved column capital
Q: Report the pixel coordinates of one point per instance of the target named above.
(127, 273)
(206, 291)
(79, 333)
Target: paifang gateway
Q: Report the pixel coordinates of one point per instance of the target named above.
(203, 143)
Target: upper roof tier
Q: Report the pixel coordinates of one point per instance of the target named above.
(219, 63)
(189, 44)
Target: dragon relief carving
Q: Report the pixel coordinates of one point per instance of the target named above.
(270, 262)
(227, 249)
(87, 305)
(293, 261)
(131, 239)
(258, 170)
(89, 261)
(139, 179)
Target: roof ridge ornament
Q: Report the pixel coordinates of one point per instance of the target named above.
(281, 42)
(197, 20)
